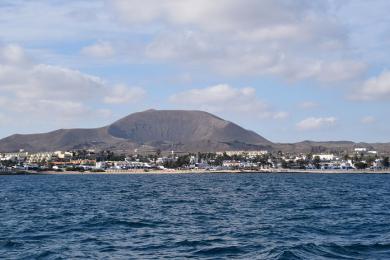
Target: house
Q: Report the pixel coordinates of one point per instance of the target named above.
(63, 155)
(15, 157)
(325, 157)
(39, 157)
(361, 150)
(249, 154)
(231, 164)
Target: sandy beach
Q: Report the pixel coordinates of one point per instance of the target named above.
(224, 171)
(198, 171)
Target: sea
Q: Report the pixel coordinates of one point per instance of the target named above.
(195, 216)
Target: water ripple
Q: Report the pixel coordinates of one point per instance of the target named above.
(205, 216)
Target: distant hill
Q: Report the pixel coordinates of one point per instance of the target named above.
(166, 130)
(329, 147)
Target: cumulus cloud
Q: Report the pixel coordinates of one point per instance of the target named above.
(122, 94)
(27, 80)
(99, 50)
(43, 21)
(292, 39)
(31, 90)
(316, 123)
(13, 54)
(308, 105)
(280, 115)
(2, 119)
(217, 15)
(225, 98)
(375, 88)
(367, 120)
(237, 57)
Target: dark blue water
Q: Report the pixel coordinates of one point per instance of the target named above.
(221, 216)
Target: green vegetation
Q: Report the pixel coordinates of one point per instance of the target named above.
(385, 162)
(180, 162)
(86, 160)
(361, 165)
(8, 163)
(316, 162)
(97, 170)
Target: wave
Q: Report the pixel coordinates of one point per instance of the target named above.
(328, 251)
(223, 250)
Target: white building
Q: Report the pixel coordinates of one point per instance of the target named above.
(20, 156)
(39, 157)
(63, 155)
(250, 154)
(325, 157)
(101, 165)
(361, 150)
(231, 164)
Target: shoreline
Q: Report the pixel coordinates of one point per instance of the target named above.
(165, 172)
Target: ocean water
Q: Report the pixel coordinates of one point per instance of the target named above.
(204, 216)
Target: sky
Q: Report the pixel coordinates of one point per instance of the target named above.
(290, 70)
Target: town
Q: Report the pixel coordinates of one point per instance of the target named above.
(107, 161)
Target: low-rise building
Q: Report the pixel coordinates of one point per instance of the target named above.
(15, 157)
(250, 154)
(360, 150)
(63, 155)
(231, 164)
(325, 157)
(39, 157)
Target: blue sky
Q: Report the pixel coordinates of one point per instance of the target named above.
(290, 70)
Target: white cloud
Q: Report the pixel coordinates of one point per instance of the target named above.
(2, 119)
(59, 21)
(225, 98)
(316, 123)
(333, 71)
(31, 91)
(367, 120)
(122, 94)
(13, 54)
(300, 39)
(308, 105)
(292, 39)
(40, 81)
(375, 88)
(217, 15)
(280, 115)
(66, 109)
(99, 50)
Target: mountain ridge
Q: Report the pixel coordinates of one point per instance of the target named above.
(184, 130)
(166, 130)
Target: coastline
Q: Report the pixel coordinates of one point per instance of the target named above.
(165, 172)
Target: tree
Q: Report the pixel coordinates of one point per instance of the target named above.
(178, 163)
(8, 163)
(385, 162)
(301, 164)
(218, 161)
(361, 165)
(284, 164)
(316, 162)
(370, 160)
(226, 157)
(183, 161)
